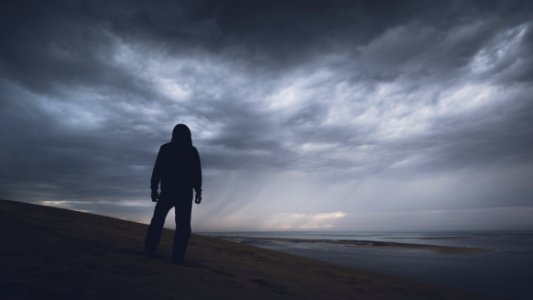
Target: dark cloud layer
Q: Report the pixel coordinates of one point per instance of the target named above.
(367, 106)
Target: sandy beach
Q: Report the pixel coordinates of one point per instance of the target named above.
(50, 253)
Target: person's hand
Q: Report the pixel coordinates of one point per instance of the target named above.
(198, 197)
(155, 196)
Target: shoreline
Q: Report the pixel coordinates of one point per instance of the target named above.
(363, 244)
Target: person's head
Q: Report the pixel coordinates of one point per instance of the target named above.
(181, 135)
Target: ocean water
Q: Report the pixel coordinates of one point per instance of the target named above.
(505, 272)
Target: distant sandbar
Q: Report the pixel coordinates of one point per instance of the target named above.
(364, 243)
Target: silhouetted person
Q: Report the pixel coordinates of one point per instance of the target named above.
(178, 169)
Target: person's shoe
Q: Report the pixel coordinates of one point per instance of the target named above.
(148, 253)
(178, 261)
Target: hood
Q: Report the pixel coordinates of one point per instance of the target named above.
(181, 135)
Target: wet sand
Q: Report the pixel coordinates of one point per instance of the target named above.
(50, 253)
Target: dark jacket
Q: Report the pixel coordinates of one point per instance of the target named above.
(178, 168)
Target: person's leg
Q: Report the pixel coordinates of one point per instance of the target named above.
(153, 236)
(183, 227)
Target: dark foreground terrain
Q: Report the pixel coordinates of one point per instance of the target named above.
(51, 253)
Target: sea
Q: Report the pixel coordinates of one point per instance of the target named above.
(505, 272)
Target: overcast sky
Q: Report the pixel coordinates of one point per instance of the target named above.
(308, 115)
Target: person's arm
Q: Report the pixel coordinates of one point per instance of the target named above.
(197, 179)
(156, 177)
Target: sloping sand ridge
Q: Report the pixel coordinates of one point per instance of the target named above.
(50, 253)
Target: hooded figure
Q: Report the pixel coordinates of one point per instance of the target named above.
(177, 171)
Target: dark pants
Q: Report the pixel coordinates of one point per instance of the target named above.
(182, 204)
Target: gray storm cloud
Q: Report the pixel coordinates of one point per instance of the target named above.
(308, 115)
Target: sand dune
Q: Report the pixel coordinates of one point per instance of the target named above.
(50, 253)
